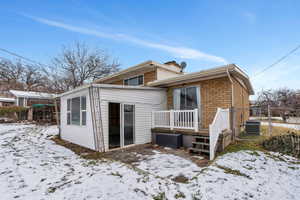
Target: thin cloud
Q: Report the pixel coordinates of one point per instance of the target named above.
(250, 17)
(181, 52)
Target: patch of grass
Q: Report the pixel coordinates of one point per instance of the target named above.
(160, 196)
(116, 174)
(181, 179)
(228, 170)
(180, 195)
(51, 189)
(243, 145)
(79, 150)
(275, 157)
(254, 153)
(293, 168)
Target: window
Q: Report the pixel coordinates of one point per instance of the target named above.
(21, 101)
(137, 80)
(186, 98)
(83, 110)
(69, 111)
(76, 111)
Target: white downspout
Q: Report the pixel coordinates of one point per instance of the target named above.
(232, 96)
(232, 104)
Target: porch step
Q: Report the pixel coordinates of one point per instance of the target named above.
(201, 143)
(192, 150)
(201, 137)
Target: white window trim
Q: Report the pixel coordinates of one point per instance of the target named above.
(198, 96)
(135, 76)
(70, 111)
(81, 111)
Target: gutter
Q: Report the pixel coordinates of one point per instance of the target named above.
(232, 96)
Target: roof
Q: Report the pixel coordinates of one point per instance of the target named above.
(142, 66)
(42, 105)
(205, 75)
(30, 94)
(110, 86)
(5, 99)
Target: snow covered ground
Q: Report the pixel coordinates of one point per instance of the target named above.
(33, 167)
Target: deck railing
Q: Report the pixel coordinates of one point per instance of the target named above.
(220, 123)
(180, 119)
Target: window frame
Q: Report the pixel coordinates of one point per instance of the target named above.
(69, 108)
(69, 111)
(82, 111)
(198, 98)
(133, 77)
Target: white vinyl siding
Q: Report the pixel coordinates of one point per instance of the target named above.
(145, 101)
(76, 111)
(81, 135)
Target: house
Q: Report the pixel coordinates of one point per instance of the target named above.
(40, 105)
(139, 104)
(6, 101)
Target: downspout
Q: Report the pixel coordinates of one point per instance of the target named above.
(232, 97)
(232, 105)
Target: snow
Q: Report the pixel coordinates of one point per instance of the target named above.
(34, 167)
(292, 126)
(171, 166)
(30, 94)
(5, 99)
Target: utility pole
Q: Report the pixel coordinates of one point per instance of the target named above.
(269, 119)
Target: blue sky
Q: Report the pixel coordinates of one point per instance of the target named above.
(252, 34)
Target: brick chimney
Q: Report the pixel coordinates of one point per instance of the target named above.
(172, 62)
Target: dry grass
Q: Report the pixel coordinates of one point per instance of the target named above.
(79, 150)
(277, 131)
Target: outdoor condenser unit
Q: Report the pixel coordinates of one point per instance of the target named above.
(253, 127)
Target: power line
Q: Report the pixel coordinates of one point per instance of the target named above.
(278, 61)
(22, 57)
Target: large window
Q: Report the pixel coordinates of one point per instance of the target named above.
(76, 111)
(21, 101)
(186, 98)
(137, 80)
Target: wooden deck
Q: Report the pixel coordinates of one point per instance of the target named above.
(202, 132)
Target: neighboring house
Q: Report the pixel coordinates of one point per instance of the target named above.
(144, 102)
(6, 101)
(40, 105)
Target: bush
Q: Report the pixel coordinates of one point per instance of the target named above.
(4, 111)
(287, 144)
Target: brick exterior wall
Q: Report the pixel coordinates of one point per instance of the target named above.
(241, 104)
(214, 93)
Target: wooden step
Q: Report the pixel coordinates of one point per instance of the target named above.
(198, 150)
(201, 143)
(201, 137)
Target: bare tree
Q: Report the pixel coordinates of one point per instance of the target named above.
(33, 78)
(284, 102)
(79, 64)
(11, 73)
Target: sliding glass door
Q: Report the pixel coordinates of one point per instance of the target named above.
(121, 125)
(128, 124)
(187, 98)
